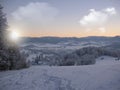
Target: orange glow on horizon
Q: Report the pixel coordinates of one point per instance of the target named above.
(72, 32)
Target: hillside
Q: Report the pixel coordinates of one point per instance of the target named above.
(55, 40)
(104, 75)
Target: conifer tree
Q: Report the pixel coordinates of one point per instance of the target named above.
(10, 56)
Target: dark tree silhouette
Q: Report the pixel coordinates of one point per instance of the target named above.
(10, 56)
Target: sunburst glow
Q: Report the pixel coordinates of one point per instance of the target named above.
(14, 36)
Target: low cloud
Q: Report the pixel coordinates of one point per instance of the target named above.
(97, 18)
(34, 14)
(102, 29)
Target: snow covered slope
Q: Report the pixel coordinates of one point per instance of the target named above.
(104, 75)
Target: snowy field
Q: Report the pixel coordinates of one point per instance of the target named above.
(104, 75)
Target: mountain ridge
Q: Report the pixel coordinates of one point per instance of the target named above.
(49, 39)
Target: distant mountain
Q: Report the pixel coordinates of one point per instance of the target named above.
(55, 40)
(114, 46)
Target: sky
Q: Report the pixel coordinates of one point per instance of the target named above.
(63, 18)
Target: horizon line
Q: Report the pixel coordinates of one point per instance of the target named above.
(66, 36)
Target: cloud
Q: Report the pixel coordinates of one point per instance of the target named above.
(94, 18)
(97, 18)
(111, 11)
(102, 29)
(34, 14)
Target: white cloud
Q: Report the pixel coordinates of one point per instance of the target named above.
(111, 11)
(34, 14)
(97, 18)
(102, 29)
(88, 29)
(94, 18)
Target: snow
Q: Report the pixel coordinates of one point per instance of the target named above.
(104, 75)
(106, 60)
(69, 45)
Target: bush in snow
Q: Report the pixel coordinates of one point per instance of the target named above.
(87, 56)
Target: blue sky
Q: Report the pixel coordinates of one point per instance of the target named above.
(63, 17)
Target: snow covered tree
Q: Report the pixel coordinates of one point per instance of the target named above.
(70, 59)
(4, 63)
(10, 57)
(88, 59)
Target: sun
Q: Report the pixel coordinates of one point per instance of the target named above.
(14, 36)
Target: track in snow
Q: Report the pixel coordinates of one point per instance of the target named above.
(91, 77)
